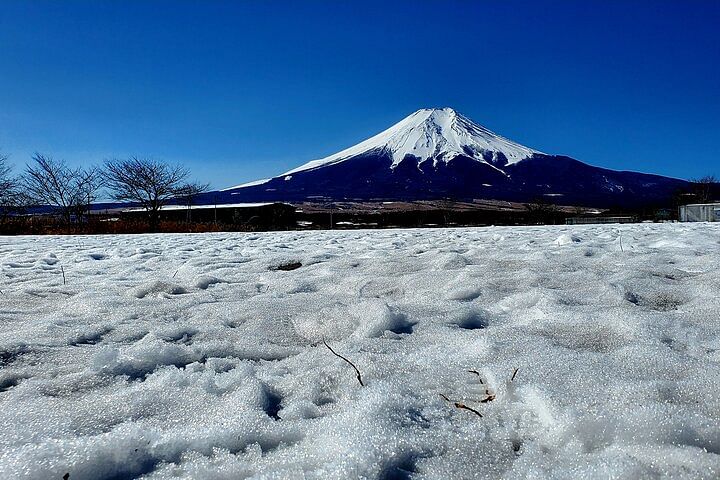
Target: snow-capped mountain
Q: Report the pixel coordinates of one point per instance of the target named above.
(439, 153)
(433, 134)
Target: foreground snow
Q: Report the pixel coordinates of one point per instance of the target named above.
(193, 356)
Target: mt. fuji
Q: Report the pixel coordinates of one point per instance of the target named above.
(441, 154)
(433, 134)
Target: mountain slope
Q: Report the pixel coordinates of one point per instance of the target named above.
(439, 153)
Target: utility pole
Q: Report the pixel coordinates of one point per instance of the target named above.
(332, 209)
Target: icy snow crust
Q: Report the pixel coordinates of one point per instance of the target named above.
(194, 356)
(432, 134)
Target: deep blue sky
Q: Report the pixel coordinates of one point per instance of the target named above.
(245, 90)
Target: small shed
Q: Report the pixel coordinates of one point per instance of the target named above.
(700, 212)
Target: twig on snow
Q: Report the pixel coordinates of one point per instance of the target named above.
(478, 374)
(514, 373)
(63, 274)
(357, 372)
(461, 406)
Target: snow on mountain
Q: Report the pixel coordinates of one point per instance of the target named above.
(433, 134)
(248, 184)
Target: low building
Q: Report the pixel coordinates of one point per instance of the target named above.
(592, 220)
(270, 216)
(700, 212)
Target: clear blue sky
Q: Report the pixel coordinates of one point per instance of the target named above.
(244, 90)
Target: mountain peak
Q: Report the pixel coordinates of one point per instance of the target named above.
(434, 116)
(439, 111)
(436, 134)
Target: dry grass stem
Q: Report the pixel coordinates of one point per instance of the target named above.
(478, 375)
(357, 372)
(461, 406)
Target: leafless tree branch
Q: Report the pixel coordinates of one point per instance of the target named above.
(147, 182)
(705, 188)
(47, 181)
(8, 186)
(187, 194)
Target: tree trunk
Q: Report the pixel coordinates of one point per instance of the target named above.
(154, 220)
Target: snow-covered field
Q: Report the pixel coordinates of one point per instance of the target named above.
(192, 356)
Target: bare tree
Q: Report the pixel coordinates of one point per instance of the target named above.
(90, 182)
(188, 193)
(8, 190)
(705, 188)
(6, 183)
(147, 182)
(52, 182)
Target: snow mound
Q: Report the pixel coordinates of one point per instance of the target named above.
(377, 317)
(567, 239)
(158, 289)
(205, 281)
